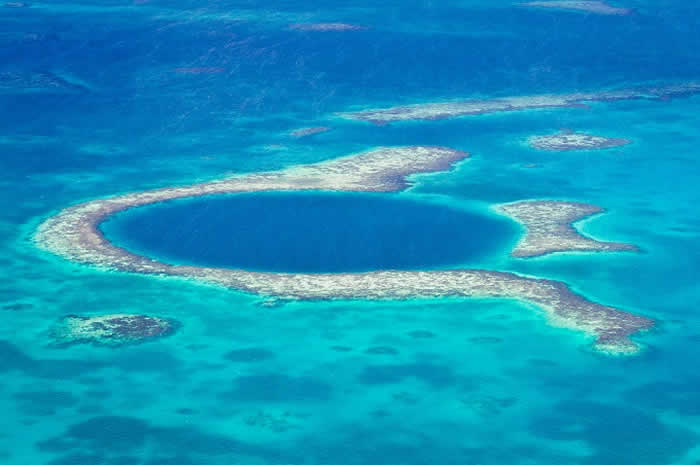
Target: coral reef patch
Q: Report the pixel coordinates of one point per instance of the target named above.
(549, 228)
(111, 330)
(584, 6)
(325, 27)
(443, 110)
(568, 140)
(304, 132)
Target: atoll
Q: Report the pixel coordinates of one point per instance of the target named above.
(549, 228)
(74, 234)
(303, 132)
(569, 140)
(111, 330)
(324, 27)
(443, 110)
(596, 7)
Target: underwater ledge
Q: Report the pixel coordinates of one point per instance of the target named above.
(75, 235)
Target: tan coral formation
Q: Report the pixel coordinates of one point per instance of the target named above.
(568, 140)
(549, 228)
(74, 234)
(590, 6)
(111, 330)
(304, 132)
(443, 110)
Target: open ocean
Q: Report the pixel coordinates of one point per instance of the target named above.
(104, 97)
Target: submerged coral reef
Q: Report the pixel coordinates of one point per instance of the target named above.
(569, 140)
(549, 228)
(303, 132)
(324, 27)
(442, 110)
(585, 6)
(111, 330)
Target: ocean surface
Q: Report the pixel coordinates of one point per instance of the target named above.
(103, 97)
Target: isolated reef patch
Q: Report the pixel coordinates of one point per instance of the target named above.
(111, 330)
(443, 110)
(596, 7)
(568, 140)
(304, 132)
(74, 234)
(549, 228)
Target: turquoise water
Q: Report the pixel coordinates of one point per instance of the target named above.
(349, 382)
(320, 232)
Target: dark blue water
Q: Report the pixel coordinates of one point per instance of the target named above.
(299, 232)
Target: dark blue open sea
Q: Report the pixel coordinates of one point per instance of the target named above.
(103, 97)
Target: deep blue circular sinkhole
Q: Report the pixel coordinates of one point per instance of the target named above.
(310, 232)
